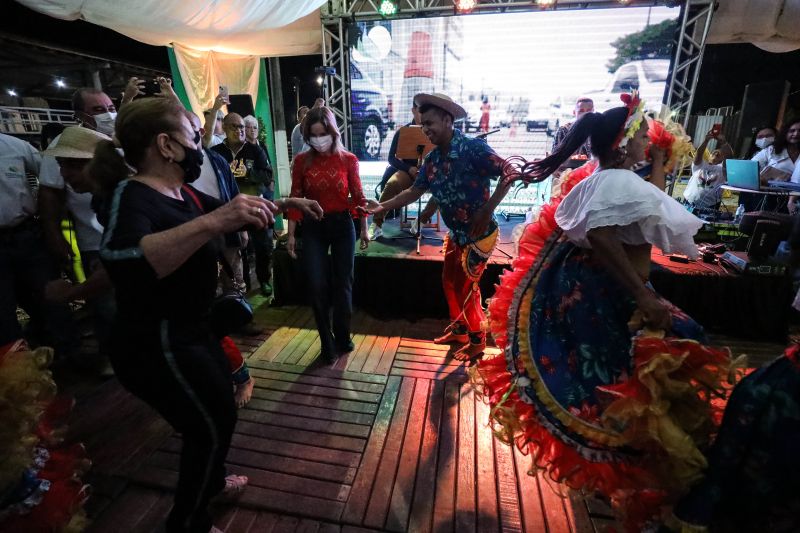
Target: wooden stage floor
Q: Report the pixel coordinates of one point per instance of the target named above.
(391, 438)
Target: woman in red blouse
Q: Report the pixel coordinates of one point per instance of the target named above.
(328, 174)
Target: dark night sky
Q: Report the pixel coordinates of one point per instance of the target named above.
(725, 72)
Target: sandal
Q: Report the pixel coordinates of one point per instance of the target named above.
(234, 487)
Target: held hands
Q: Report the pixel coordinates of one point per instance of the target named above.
(309, 208)
(364, 239)
(373, 207)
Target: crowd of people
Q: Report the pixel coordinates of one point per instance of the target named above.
(605, 383)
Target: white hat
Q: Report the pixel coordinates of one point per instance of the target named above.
(442, 101)
(76, 142)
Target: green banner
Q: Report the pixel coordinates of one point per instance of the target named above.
(264, 112)
(177, 81)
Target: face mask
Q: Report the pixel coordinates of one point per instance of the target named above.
(764, 142)
(104, 123)
(191, 164)
(321, 144)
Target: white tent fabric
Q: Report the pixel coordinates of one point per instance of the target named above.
(245, 27)
(769, 24)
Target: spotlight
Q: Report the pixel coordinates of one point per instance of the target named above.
(11, 92)
(60, 83)
(387, 8)
(319, 80)
(465, 6)
(545, 3)
(624, 2)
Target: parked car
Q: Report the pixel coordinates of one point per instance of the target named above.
(561, 110)
(648, 76)
(540, 119)
(371, 114)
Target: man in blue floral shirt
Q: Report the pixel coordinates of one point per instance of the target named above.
(458, 173)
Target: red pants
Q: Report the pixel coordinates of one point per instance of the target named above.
(461, 274)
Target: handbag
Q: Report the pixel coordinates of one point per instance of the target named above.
(230, 310)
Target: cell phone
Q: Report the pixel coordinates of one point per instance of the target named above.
(716, 129)
(223, 91)
(151, 87)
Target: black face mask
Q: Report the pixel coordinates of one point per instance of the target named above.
(192, 162)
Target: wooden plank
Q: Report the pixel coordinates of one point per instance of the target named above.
(312, 353)
(283, 448)
(423, 344)
(315, 401)
(297, 422)
(323, 440)
(316, 390)
(578, 513)
(319, 371)
(488, 515)
(307, 526)
(425, 487)
(356, 362)
(426, 359)
(443, 367)
(292, 344)
(236, 519)
(324, 477)
(465, 479)
(444, 505)
(403, 491)
(278, 340)
(307, 379)
(329, 528)
(457, 376)
(436, 354)
(384, 480)
(307, 338)
(507, 495)
(388, 354)
(310, 412)
(134, 503)
(375, 354)
(156, 516)
(553, 505)
(530, 494)
(362, 486)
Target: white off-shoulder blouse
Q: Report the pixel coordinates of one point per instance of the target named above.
(641, 212)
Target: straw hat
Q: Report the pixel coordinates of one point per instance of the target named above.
(76, 142)
(442, 101)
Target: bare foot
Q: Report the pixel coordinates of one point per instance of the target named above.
(244, 392)
(234, 487)
(469, 352)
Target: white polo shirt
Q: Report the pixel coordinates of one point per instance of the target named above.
(779, 161)
(88, 231)
(17, 159)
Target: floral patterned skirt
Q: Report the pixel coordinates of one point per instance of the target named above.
(599, 409)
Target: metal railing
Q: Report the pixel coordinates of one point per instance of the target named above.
(29, 120)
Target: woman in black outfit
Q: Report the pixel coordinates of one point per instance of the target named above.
(159, 251)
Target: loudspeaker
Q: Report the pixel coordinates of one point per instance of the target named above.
(765, 239)
(763, 105)
(241, 104)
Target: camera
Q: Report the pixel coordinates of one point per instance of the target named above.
(330, 71)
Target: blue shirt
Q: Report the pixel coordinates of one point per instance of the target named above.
(459, 181)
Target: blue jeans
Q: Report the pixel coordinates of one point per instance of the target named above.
(330, 281)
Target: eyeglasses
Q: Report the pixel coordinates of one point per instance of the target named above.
(237, 126)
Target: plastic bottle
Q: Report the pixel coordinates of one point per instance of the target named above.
(737, 218)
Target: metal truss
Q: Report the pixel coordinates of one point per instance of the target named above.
(696, 18)
(336, 87)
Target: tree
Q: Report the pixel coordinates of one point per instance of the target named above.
(654, 41)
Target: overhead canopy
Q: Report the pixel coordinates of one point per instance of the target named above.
(769, 24)
(247, 27)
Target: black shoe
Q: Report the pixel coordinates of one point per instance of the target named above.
(328, 358)
(346, 348)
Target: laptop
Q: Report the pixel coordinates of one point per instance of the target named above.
(788, 186)
(742, 173)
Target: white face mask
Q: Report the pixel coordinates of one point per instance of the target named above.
(105, 123)
(764, 142)
(321, 144)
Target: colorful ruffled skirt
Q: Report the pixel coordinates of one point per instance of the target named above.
(598, 409)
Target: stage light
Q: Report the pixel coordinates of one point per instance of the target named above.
(11, 92)
(319, 80)
(624, 2)
(545, 3)
(387, 8)
(465, 6)
(60, 83)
